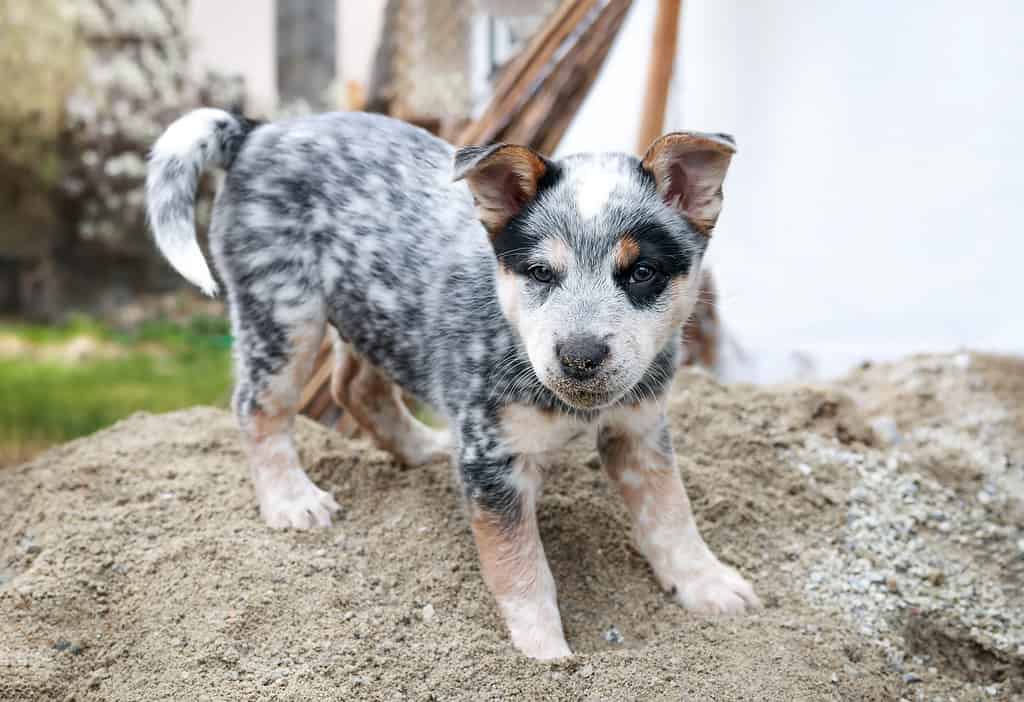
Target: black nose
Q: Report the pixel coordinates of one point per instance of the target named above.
(581, 355)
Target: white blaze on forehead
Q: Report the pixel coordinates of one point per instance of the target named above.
(595, 183)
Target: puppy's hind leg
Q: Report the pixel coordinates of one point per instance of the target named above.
(376, 404)
(276, 345)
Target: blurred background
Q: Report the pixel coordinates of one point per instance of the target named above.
(873, 211)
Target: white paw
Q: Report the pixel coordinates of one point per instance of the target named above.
(291, 500)
(542, 648)
(716, 589)
(534, 624)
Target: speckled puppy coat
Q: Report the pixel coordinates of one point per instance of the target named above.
(528, 301)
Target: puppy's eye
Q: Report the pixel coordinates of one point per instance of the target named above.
(541, 273)
(641, 274)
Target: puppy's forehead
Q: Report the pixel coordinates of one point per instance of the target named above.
(594, 182)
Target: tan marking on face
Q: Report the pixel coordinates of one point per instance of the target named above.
(556, 253)
(627, 251)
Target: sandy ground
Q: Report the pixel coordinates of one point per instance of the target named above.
(879, 517)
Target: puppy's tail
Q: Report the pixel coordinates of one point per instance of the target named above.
(202, 137)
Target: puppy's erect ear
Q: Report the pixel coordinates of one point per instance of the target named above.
(503, 179)
(689, 168)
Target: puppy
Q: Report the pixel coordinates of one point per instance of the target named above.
(528, 301)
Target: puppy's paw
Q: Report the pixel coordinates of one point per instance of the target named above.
(429, 446)
(542, 648)
(716, 589)
(535, 626)
(293, 501)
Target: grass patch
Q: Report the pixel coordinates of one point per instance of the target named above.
(159, 366)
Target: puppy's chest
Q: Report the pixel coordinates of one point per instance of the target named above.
(532, 431)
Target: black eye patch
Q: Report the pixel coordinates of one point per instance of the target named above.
(654, 258)
(658, 244)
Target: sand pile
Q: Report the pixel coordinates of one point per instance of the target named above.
(879, 517)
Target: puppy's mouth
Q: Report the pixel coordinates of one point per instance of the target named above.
(590, 394)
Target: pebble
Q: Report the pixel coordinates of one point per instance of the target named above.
(427, 613)
(902, 520)
(886, 430)
(612, 635)
(911, 678)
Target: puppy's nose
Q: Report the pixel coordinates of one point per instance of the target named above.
(581, 355)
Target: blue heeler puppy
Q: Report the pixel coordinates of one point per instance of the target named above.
(529, 301)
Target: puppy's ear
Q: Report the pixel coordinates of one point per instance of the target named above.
(689, 168)
(503, 179)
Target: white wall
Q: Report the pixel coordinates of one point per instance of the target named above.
(237, 36)
(876, 205)
(359, 26)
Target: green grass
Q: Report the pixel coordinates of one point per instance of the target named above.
(161, 366)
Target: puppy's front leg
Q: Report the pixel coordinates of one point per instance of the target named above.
(503, 515)
(636, 449)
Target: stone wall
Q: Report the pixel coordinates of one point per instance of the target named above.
(109, 75)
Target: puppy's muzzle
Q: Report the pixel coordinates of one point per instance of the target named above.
(581, 356)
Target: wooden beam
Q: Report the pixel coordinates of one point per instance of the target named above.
(659, 73)
(513, 87)
(549, 111)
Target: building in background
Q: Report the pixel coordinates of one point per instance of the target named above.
(88, 87)
(247, 37)
(426, 61)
